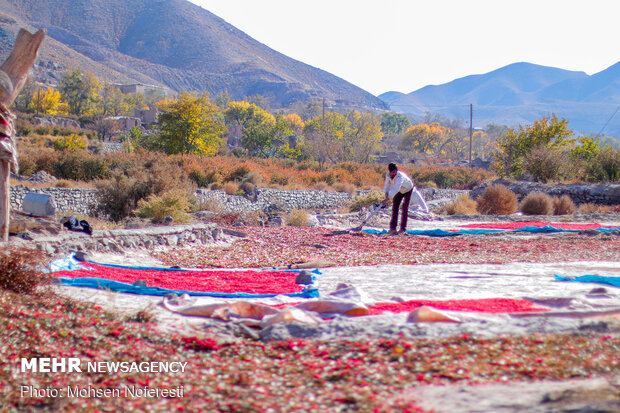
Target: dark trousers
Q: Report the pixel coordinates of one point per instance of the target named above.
(405, 198)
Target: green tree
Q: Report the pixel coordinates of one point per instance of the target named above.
(587, 148)
(190, 124)
(257, 126)
(80, 91)
(516, 144)
(113, 102)
(325, 136)
(393, 123)
(364, 136)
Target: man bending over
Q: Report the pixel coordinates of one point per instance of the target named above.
(399, 187)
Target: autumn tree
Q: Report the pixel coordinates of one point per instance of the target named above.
(47, 102)
(423, 138)
(80, 91)
(516, 144)
(190, 124)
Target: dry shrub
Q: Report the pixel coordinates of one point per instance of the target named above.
(463, 205)
(546, 164)
(563, 205)
(226, 218)
(173, 203)
(537, 203)
(321, 186)
(497, 200)
(230, 188)
(254, 178)
(427, 184)
(215, 186)
(247, 187)
(63, 183)
(20, 269)
(589, 208)
(370, 199)
(298, 218)
(344, 187)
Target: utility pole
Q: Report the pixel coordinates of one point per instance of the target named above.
(323, 108)
(471, 129)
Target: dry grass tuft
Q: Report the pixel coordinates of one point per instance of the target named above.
(497, 200)
(372, 198)
(344, 187)
(537, 203)
(298, 218)
(589, 208)
(563, 205)
(463, 205)
(230, 188)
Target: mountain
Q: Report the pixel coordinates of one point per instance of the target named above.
(520, 93)
(171, 43)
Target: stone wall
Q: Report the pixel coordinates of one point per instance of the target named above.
(267, 198)
(76, 200)
(82, 201)
(606, 194)
(122, 239)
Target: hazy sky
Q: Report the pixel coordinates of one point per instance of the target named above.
(403, 45)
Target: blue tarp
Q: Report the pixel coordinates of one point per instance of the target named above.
(443, 233)
(615, 281)
(102, 283)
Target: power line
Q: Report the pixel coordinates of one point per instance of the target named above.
(609, 120)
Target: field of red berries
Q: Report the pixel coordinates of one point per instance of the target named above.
(294, 375)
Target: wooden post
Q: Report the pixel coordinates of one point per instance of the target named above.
(16, 67)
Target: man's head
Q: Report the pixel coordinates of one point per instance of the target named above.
(392, 169)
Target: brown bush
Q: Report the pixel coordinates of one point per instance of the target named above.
(463, 205)
(230, 188)
(589, 208)
(298, 218)
(563, 205)
(537, 203)
(497, 200)
(322, 186)
(247, 187)
(372, 198)
(20, 269)
(344, 187)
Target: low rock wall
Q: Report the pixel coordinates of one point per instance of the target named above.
(122, 239)
(606, 194)
(83, 201)
(76, 200)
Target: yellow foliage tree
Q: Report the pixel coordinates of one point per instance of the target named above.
(48, 102)
(190, 124)
(294, 122)
(424, 137)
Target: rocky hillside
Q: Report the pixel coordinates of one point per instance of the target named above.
(171, 43)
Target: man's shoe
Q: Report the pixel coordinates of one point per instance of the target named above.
(392, 232)
(402, 231)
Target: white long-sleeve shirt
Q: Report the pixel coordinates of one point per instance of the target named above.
(401, 182)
